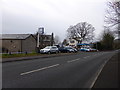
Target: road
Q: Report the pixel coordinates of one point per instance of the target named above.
(78, 70)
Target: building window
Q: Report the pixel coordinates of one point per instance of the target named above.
(72, 41)
(47, 38)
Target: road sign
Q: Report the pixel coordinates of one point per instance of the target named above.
(41, 30)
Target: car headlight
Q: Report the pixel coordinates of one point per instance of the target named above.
(41, 50)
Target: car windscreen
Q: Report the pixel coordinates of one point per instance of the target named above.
(54, 47)
(48, 47)
(68, 48)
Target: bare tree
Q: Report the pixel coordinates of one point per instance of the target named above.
(112, 17)
(113, 13)
(81, 32)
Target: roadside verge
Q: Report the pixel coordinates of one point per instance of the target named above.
(108, 77)
(33, 57)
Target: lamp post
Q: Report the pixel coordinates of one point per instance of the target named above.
(38, 36)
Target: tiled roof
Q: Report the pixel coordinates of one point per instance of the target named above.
(14, 36)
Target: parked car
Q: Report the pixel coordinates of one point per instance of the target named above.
(93, 50)
(71, 49)
(67, 49)
(63, 50)
(88, 49)
(82, 49)
(85, 49)
(49, 49)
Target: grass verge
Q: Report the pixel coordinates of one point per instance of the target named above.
(18, 55)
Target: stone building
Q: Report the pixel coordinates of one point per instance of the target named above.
(72, 42)
(24, 42)
(18, 43)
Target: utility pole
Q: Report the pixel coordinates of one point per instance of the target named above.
(38, 36)
(40, 32)
(52, 39)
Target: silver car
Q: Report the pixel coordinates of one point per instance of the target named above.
(49, 49)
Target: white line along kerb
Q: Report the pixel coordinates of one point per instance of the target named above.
(97, 74)
(39, 69)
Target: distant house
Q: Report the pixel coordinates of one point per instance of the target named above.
(18, 43)
(72, 42)
(24, 42)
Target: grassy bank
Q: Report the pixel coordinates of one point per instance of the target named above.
(28, 54)
(18, 55)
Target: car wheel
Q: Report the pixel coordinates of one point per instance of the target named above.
(68, 52)
(49, 52)
(56, 52)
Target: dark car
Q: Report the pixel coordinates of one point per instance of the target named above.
(62, 50)
(67, 49)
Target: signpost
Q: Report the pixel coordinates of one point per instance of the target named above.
(40, 32)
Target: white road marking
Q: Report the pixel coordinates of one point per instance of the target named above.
(73, 60)
(86, 57)
(97, 74)
(77, 59)
(39, 69)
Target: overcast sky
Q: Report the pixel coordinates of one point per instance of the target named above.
(26, 16)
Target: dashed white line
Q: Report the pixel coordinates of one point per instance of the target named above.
(77, 59)
(86, 57)
(39, 69)
(73, 60)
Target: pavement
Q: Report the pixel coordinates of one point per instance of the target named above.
(108, 77)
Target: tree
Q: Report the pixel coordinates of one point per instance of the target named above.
(112, 17)
(107, 40)
(65, 42)
(81, 32)
(113, 13)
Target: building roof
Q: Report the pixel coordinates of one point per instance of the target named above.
(14, 36)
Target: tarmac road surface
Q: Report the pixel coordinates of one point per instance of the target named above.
(79, 70)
